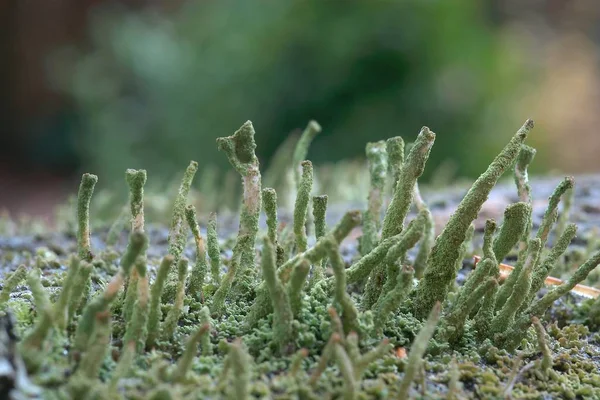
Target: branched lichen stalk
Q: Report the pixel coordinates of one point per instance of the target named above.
(377, 161)
(84, 197)
(240, 151)
(200, 266)
(455, 321)
(282, 310)
(301, 150)
(214, 251)
(154, 314)
(417, 350)
(440, 272)
(301, 206)
(391, 300)
(411, 170)
(395, 153)
(396, 253)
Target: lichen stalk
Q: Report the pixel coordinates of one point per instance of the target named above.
(240, 369)
(200, 268)
(136, 179)
(84, 197)
(185, 361)
(377, 162)
(319, 213)
(514, 225)
(34, 339)
(168, 328)
(214, 251)
(240, 151)
(525, 157)
(341, 297)
(206, 345)
(218, 299)
(301, 206)
(99, 344)
(154, 314)
(395, 152)
(11, 283)
(177, 238)
(269, 199)
(61, 307)
(417, 350)
(506, 315)
(440, 272)
(136, 325)
(546, 362)
(80, 283)
(282, 310)
(296, 283)
(428, 237)
(301, 150)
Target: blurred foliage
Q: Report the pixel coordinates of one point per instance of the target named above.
(154, 90)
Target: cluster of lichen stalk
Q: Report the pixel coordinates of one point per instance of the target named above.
(289, 269)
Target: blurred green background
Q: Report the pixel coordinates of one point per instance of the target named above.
(150, 85)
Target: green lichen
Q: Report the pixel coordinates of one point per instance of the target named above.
(97, 331)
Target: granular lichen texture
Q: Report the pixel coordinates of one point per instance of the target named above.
(321, 301)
